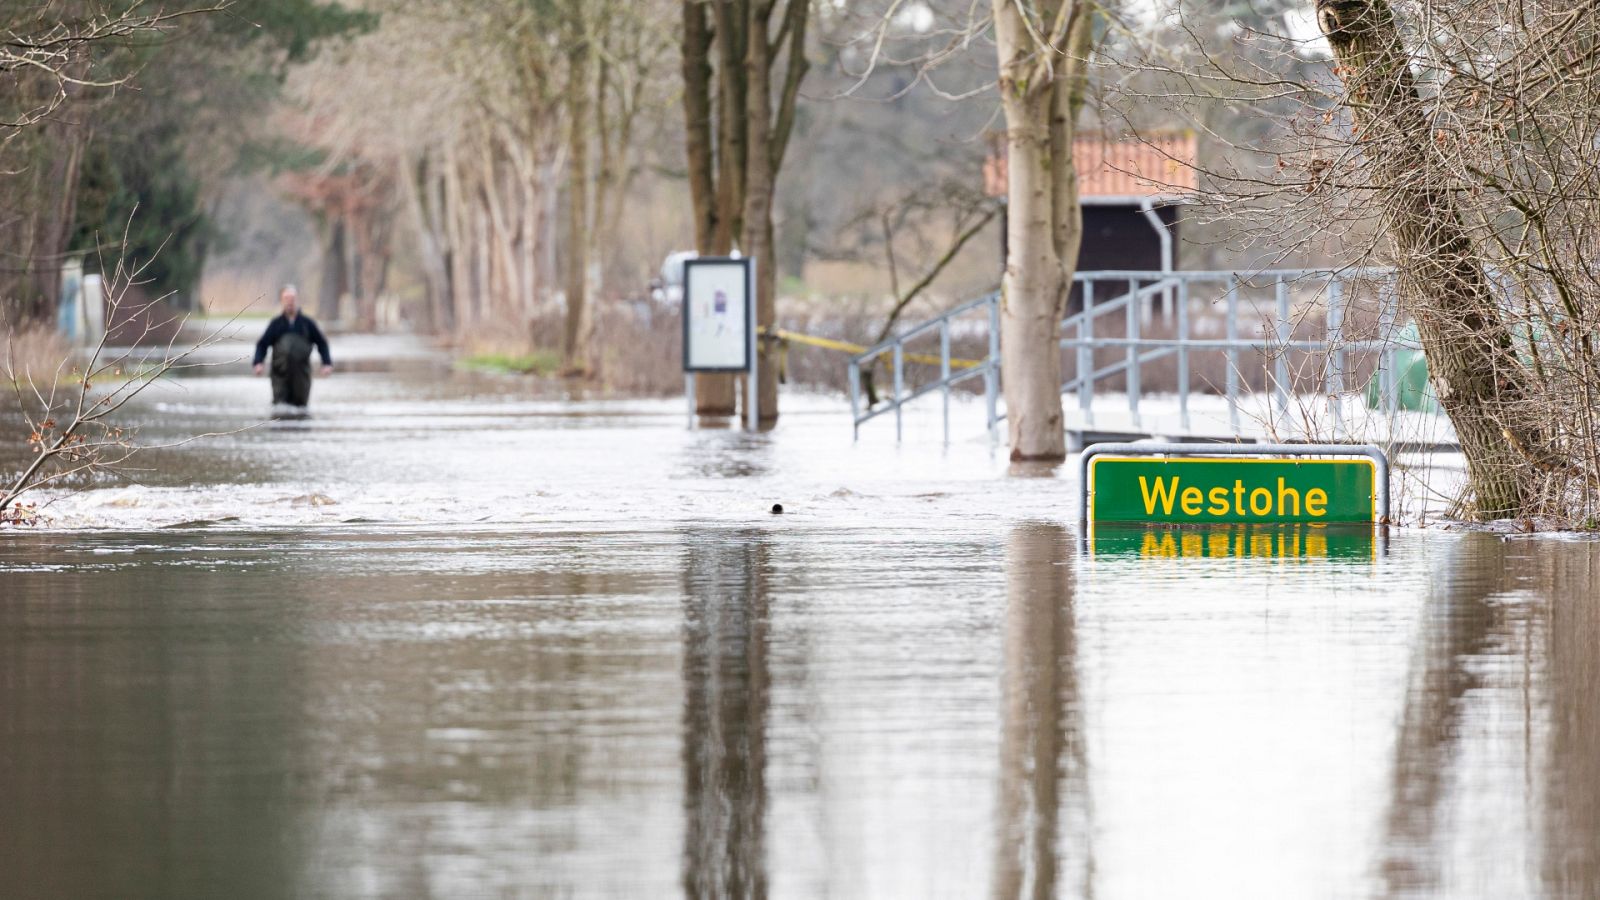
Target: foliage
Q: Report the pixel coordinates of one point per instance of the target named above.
(291, 29)
(141, 186)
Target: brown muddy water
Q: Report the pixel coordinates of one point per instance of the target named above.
(459, 636)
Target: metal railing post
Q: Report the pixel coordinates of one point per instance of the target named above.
(944, 372)
(1280, 369)
(1393, 388)
(855, 400)
(688, 390)
(1183, 353)
(1086, 355)
(899, 384)
(1233, 353)
(991, 377)
(1387, 313)
(1133, 350)
(1334, 381)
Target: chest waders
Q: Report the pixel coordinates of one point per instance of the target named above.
(291, 370)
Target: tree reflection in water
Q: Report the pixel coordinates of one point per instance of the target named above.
(1043, 766)
(725, 684)
(1572, 810)
(1492, 612)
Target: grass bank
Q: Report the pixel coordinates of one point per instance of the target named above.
(543, 363)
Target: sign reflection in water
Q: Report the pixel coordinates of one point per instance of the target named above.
(1308, 542)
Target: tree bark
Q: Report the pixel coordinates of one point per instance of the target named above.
(723, 197)
(575, 346)
(766, 138)
(1476, 374)
(334, 277)
(732, 36)
(759, 177)
(414, 177)
(696, 57)
(1042, 76)
(457, 229)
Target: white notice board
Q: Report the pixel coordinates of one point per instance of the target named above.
(718, 307)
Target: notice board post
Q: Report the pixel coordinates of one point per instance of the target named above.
(719, 324)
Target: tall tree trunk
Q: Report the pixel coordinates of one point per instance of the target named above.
(766, 139)
(57, 224)
(505, 255)
(719, 201)
(334, 275)
(732, 35)
(415, 178)
(527, 223)
(483, 262)
(1041, 92)
(696, 57)
(459, 235)
(1471, 360)
(575, 347)
(605, 179)
(758, 189)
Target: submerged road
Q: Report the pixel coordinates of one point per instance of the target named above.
(460, 635)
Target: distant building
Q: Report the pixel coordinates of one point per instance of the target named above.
(1130, 189)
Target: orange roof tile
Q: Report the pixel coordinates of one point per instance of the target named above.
(1153, 166)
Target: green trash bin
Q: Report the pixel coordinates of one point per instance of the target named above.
(1412, 390)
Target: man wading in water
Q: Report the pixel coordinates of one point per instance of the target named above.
(291, 337)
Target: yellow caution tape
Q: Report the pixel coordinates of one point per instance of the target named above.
(847, 347)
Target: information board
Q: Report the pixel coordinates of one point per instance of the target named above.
(718, 309)
(1211, 490)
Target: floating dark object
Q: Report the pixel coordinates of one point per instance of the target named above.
(777, 509)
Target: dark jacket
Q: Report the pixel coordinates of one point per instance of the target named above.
(303, 326)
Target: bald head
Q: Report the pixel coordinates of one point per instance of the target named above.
(290, 298)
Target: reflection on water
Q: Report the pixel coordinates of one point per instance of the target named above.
(1043, 763)
(1238, 541)
(1460, 629)
(1479, 648)
(111, 726)
(450, 637)
(725, 714)
(1571, 828)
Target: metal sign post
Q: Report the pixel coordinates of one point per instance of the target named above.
(752, 401)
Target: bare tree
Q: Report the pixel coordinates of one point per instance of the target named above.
(1454, 141)
(73, 412)
(579, 39)
(1043, 56)
(755, 115)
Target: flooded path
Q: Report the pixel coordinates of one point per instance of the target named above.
(456, 636)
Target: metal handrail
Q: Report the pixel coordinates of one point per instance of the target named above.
(888, 343)
(1133, 304)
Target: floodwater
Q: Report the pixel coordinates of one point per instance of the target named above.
(460, 636)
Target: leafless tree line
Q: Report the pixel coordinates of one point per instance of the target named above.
(503, 137)
(1457, 142)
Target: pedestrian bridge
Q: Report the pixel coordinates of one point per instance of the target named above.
(1277, 355)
